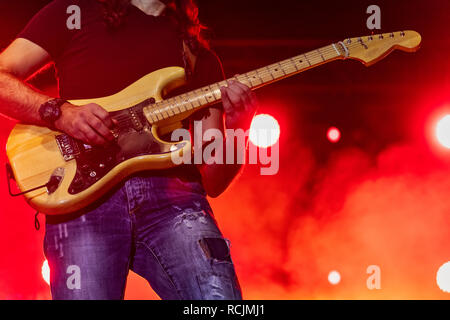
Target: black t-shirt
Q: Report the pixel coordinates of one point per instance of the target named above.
(96, 61)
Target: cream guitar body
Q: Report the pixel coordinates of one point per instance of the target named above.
(35, 155)
(59, 174)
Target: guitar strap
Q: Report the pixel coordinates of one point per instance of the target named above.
(189, 59)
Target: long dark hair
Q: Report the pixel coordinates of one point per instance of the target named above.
(184, 13)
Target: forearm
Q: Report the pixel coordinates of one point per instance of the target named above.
(19, 101)
(218, 175)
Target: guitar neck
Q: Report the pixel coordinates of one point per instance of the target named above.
(205, 96)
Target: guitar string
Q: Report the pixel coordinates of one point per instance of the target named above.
(197, 94)
(166, 105)
(315, 54)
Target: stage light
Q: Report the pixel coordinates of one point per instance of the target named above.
(46, 272)
(443, 131)
(264, 131)
(443, 277)
(334, 277)
(333, 134)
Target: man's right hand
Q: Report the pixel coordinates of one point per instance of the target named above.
(89, 123)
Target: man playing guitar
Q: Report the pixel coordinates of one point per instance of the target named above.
(158, 224)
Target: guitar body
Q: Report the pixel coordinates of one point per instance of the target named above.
(81, 173)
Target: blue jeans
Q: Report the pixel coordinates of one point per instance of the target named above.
(161, 228)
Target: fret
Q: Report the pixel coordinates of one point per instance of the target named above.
(164, 113)
(188, 103)
(254, 78)
(281, 68)
(306, 59)
(163, 110)
(168, 106)
(174, 106)
(313, 58)
(201, 98)
(258, 75)
(177, 109)
(170, 110)
(329, 52)
(152, 116)
(182, 101)
(249, 80)
(243, 79)
(162, 106)
(261, 77)
(215, 89)
(275, 71)
(294, 64)
(222, 83)
(300, 63)
(321, 55)
(181, 105)
(158, 116)
(194, 101)
(268, 72)
(288, 68)
(207, 93)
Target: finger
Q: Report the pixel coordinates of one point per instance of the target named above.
(248, 94)
(102, 114)
(236, 95)
(92, 136)
(100, 127)
(242, 86)
(78, 134)
(227, 105)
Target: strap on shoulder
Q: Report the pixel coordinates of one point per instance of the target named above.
(190, 60)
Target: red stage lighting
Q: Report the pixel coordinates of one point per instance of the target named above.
(264, 131)
(333, 134)
(443, 131)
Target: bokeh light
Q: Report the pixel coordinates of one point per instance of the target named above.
(264, 131)
(443, 277)
(443, 131)
(333, 134)
(334, 277)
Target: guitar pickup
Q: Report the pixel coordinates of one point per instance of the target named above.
(67, 146)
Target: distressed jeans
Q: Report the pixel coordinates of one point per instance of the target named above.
(172, 241)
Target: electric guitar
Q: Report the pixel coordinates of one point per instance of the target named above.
(59, 174)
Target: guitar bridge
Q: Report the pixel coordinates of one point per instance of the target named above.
(67, 146)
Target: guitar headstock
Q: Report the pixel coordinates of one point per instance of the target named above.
(370, 49)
